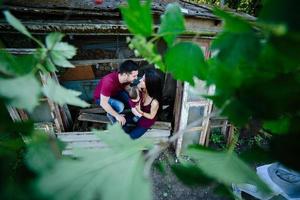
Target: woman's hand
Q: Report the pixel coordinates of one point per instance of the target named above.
(138, 108)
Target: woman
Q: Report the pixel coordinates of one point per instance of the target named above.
(150, 87)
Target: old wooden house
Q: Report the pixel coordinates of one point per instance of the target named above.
(99, 34)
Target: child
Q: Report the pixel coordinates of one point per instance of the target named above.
(134, 96)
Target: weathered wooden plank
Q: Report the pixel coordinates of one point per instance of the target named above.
(177, 105)
(86, 144)
(53, 107)
(93, 118)
(90, 117)
(162, 125)
(206, 120)
(13, 113)
(91, 62)
(230, 135)
(157, 133)
(87, 140)
(23, 114)
(97, 110)
(68, 136)
(77, 137)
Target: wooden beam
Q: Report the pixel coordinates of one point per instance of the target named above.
(206, 120)
(98, 110)
(53, 108)
(230, 135)
(13, 113)
(23, 114)
(177, 105)
(93, 118)
(91, 62)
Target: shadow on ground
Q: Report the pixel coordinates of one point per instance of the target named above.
(166, 186)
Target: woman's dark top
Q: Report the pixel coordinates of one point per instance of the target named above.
(145, 122)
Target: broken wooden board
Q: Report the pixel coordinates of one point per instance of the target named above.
(88, 140)
(90, 117)
(98, 110)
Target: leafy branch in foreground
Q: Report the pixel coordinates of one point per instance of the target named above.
(20, 87)
(255, 71)
(172, 25)
(114, 172)
(259, 83)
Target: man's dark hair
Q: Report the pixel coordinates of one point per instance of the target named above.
(127, 67)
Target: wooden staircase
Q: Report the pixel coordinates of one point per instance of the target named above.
(87, 140)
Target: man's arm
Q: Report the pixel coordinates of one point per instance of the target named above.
(105, 105)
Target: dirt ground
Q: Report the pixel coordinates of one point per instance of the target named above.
(168, 187)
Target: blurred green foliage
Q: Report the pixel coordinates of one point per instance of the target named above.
(251, 7)
(256, 72)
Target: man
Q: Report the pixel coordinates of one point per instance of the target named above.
(110, 93)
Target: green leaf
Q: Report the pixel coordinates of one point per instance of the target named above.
(7, 62)
(227, 78)
(146, 49)
(224, 191)
(16, 24)
(47, 65)
(190, 174)
(256, 155)
(236, 48)
(59, 51)
(50, 66)
(138, 17)
(281, 12)
(40, 155)
(52, 39)
(61, 95)
(117, 139)
(279, 126)
(172, 23)
(60, 60)
(64, 49)
(233, 23)
(238, 43)
(96, 173)
(185, 61)
(160, 166)
(236, 111)
(16, 65)
(225, 167)
(22, 92)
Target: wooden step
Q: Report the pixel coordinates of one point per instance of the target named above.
(89, 117)
(97, 118)
(89, 136)
(98, 110)
(88, 140)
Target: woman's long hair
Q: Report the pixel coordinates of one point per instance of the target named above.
(153, 82)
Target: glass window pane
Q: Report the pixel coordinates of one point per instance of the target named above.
(195, 113)
(191, 137)
(194, 93)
